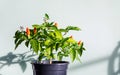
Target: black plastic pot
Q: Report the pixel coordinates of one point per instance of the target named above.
(56, 68)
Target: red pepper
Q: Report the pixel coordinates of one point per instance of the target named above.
(27, 31)
(79, 42)
(35, 30)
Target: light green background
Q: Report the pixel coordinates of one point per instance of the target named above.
(98, 19)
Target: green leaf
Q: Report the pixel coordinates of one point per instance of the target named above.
(53, 28)
(47, 42)
(45, 32)
(83, 48)
(24, 37)
(66, 53)
(80, 50)
(36, 26)
(59, 56)
(58, 34)
(77, 57)
(57, 46)
(16, 40)
(72, 54)
(34, 45)
(72, 28)
(51, 45)
(46, 16)
(51, 23)
(64, 40)
(27, 43)
(18, 34)
(64, 43)
(18, 43)
(50, 35)
(62, 30)
(40, 56)
(47, 52)
(39, 46)
(71, 40)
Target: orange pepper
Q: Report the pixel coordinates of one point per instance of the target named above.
(56, 24)
(27, 31)
(71, 37)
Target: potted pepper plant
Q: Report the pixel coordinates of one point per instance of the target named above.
(50, 43)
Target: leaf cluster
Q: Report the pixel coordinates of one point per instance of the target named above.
(49, 42)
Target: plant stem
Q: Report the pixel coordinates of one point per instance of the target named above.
(65, 33)
(50, 61)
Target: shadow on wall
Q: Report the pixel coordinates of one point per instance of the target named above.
(113, 61)
(20, 59)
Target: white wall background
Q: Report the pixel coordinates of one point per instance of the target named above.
(99, 20)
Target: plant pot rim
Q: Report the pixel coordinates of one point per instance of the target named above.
(53, 63)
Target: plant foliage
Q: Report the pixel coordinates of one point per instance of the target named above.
(49, 42)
